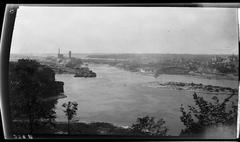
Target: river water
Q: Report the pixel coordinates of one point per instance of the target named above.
(119, 97)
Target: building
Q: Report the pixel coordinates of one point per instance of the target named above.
(60, 56)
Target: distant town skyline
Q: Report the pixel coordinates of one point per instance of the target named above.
(163, 30)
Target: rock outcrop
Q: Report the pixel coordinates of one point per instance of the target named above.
(84, 72)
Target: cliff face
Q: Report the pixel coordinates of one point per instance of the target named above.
(84, 72)
(31, 87)
(30, 73)
(59, 86)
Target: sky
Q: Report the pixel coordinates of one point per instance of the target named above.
(178, 30)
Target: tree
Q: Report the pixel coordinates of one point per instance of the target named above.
(29, 84)
(207, 114)
(70, 111)
(148, 126)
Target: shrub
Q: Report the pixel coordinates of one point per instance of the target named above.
(148, 126)
(207, 114)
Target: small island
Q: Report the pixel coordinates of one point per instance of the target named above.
(84, 72)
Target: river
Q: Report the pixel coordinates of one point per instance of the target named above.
(119, 97)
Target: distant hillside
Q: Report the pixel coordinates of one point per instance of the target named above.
(147, 58)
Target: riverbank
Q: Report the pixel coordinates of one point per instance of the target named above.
(207, 89)
(81, 130)
(209, 66)
(60, 96)
(198, 75)
(193, 74)
(76, 128)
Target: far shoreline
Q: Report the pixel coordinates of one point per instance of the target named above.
(206, 76)
(60, 96)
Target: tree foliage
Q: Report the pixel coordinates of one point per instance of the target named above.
(29, 84)
(207, 114)
(70, 111)
(149, 126)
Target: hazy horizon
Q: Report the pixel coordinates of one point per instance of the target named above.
(125, 30)
(66, 53)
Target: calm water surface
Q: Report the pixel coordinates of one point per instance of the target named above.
(119, 97)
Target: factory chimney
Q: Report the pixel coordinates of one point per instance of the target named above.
(70, 56)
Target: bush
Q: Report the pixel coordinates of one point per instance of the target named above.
(148, 126)
(207, 114)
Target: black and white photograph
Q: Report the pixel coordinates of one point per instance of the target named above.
(124, 71)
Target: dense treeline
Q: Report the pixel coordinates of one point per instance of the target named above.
(30, 84)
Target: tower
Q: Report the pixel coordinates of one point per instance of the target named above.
(58, 52)
(69, 53)
(59, 55)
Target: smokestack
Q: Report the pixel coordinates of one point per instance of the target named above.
(70, 54)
